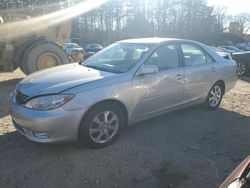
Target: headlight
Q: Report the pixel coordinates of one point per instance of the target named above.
(48, 102)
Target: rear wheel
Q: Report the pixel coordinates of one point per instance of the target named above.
(214, 97)
(102, 125)
(241, 69)
(42, 55)
(18, 56)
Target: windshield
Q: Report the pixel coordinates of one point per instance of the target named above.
(94, 46)
(234, 48)
(118, 58)
(216, 49)
(72, 45)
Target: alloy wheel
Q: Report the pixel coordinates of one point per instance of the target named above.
(241, 69)
(104, 127)
(215, 96)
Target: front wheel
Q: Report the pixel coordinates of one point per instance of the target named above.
(102, 125)
(214, 97)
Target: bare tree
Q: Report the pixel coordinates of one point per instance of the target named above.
(221, 17)
(244, 22)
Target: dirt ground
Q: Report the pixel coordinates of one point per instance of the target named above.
(187, 148)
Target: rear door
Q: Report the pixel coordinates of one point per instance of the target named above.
(200, 72)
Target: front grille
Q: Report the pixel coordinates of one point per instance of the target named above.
(21, 98)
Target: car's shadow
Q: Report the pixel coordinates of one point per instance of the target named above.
(246, 79)
(202, 146)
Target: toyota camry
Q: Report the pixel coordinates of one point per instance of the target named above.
(126, 82)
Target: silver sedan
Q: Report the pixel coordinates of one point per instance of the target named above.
(126, 82)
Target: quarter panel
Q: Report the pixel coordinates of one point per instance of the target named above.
(228, 74)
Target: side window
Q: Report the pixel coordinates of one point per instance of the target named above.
(118, 56)
(138, 53)
(209, 59)
(193, 55)
(165, 57)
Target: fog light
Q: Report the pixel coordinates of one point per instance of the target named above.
(42, 135)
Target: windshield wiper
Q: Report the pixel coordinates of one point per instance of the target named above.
(91, 66)
(103, 69)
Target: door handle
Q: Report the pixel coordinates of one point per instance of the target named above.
(178, 77)
(213, 69)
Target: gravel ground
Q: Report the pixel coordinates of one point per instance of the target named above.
(187, 148)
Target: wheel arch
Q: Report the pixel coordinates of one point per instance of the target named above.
(103, 102)
(110, 101)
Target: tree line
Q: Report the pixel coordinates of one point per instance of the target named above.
(121, 19)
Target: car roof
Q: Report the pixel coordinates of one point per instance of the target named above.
(93, 44)
(153, 40)
(157, 41)
(69, 43)
(227, 46)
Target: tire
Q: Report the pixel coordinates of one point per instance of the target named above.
(214, 97)
(22, 48)
(94, 132)
(43, 54)
(21, 56)
(241, 69)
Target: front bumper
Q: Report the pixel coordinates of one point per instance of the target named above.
(57, 125)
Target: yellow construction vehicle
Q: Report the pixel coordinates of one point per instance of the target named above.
(34, 49)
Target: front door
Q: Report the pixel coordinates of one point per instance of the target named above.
(162, 90)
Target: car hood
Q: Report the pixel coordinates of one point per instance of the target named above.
(240, 53)
(58, 79)
(72, 49)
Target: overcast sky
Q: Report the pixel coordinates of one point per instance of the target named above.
(233, 6)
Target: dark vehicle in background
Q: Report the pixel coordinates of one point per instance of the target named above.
(241, 57)
(230, 48)
(240, 177)
(244, 46)
(75, 52)
(70, 48)
(225, 50)
(243, 62)
(222, 53)
(93, 47)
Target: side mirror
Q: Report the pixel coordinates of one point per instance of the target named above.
(147, 69)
